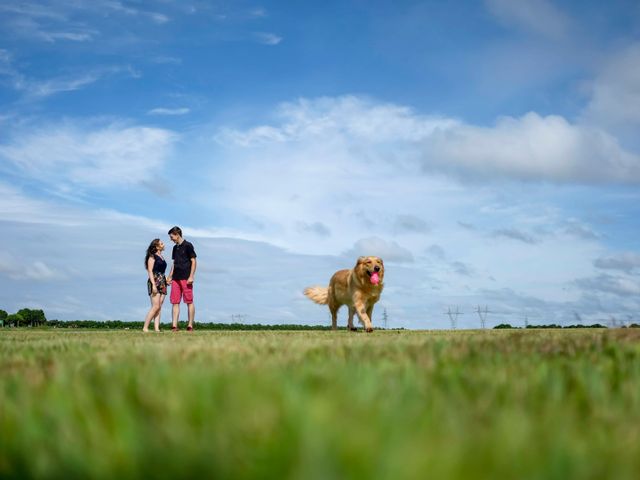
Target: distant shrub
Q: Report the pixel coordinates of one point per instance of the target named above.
(503, 325)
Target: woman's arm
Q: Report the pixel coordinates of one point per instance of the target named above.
(150, 263)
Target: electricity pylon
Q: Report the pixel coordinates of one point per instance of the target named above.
(453, 316)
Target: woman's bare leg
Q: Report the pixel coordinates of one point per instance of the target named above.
(156, 323)
(153, 311)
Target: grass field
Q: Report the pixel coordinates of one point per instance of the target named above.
(320, 405)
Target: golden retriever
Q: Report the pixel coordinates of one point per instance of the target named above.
(359, 288)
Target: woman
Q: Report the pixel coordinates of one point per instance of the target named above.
(156, 283)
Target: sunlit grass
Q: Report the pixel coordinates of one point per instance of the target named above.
(482, 404)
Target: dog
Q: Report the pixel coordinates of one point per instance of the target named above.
(359, 288)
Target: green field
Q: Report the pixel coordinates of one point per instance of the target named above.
(320, 405)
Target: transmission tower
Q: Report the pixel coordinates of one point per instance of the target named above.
(453, 316)
(526, 316)
(385, 317)
(483, 315)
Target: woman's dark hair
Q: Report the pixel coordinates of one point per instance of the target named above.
(175, 231)
(151, 250)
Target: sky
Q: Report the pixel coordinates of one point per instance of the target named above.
(486, 150)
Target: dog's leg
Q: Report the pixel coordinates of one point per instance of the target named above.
(334, 317)
(362, 315)
(370, 313)
(352, 312)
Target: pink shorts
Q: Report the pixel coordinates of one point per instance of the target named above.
(180, 289)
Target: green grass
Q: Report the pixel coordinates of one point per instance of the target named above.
(320, 405)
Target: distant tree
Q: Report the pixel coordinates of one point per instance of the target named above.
(503, 325)
(40, 317)
(32, 317)
(14, 320)
(26, 315)
(3, 317)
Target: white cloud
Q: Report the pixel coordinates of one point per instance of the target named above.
(113, 155)
(540, 17)
(36, 89)
(53, 86)
(388, 250)
(268, 38)
(26, 269)
(53, 21)
(72, 36)
(532, 148)
(347, 117)
(169, 111)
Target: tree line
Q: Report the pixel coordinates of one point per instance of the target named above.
(120, 325)
(554, 325)
(27, 317)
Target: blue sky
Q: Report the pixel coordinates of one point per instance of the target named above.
(488, 151)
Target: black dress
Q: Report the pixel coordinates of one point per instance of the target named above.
(159, 267)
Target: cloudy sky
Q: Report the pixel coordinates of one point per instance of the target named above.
(488, 151)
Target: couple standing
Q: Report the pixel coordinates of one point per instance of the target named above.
(180, 277)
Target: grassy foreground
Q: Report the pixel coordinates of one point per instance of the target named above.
(320, 405)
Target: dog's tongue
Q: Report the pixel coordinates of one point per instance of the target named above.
(375, 279)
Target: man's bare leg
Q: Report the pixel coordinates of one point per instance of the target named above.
(191, 309)
(176, 314)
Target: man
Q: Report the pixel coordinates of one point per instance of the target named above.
(181, 277)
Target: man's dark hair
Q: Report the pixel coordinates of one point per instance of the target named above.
(175, 231)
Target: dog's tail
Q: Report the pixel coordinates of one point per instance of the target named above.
(319, 295)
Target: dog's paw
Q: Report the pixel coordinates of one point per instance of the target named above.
(353, 329)
(370, 329)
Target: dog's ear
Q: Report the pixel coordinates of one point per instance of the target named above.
(381, 262)
(360, 260)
